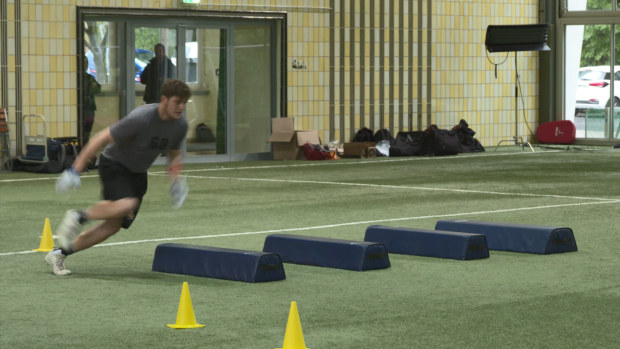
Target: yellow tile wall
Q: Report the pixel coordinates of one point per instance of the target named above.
(463, 81)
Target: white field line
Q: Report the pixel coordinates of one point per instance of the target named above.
(303, 164)
(316, 227)
(14, 180)
(378, 162)
(371, 185)
(598, 200)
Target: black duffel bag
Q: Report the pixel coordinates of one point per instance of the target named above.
(442, 142)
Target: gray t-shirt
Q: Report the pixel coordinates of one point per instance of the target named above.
(141, 136)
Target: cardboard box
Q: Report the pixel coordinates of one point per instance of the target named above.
(287, 142)
(356, 149)
(369, 153)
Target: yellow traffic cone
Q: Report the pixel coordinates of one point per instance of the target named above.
(47, 241)
(293, 338)
(185, 315)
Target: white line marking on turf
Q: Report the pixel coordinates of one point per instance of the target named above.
(40, 179)
(358, 162)
(469, 191)
(304, 164)
(375, 221)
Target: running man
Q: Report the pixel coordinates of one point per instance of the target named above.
(129, 148)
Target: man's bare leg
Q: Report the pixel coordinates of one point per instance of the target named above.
(97, 234)
(71, 240)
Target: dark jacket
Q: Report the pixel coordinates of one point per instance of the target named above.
(154, 75)
(91, 88)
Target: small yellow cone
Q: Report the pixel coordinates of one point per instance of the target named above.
(47, 241)
(293, 338)
(185, 315)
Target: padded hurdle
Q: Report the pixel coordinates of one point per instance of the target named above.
(516, 237)
(325, 252)
(429, 243)
(219, 263)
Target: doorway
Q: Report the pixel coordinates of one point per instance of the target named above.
(231, 65)
(592, 75)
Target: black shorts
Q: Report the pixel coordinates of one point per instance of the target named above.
(119, 183)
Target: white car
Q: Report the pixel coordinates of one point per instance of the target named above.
(593, 88)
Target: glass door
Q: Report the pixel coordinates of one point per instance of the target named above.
(198, 57)
(231, 78)
(615, 130)
(207, 75)
(101, 79)
(253, 88)
(232, 68)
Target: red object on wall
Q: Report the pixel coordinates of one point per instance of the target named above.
(556, 132)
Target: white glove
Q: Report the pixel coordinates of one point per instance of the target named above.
(68, 179)
(178, 192)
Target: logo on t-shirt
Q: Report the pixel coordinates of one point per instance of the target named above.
(159, 143)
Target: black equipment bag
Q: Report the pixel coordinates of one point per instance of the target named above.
(61, 152)
(408, 144)
(363, 135)
(466, 137)
(443, 142)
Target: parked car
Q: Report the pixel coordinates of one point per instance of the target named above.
(141, 59)
(593, 89)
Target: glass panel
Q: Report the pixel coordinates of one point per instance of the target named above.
(155, 58)
(253, 91)
(589, 5)
(101, 94)
(191, 56)
(205, 54)
(616, 117)
(588, 78)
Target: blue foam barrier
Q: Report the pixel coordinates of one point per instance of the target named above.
(325, 252)
(516, 237)
(219, 263)
(429, 243)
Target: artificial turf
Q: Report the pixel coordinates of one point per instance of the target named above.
(510, 300)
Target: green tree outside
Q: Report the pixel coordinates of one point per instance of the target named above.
(597, 39)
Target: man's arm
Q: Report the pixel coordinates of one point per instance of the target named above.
(144, 76)
(179, 187)
(70, 177)
(91, 149)
(173, 71)
(175, 163)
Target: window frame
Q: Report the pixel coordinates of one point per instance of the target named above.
(567, 18)
(566, 13)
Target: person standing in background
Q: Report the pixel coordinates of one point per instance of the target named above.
(91, 88)
(159, 69)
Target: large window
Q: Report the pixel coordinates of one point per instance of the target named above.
(591, 67)
(589, 5)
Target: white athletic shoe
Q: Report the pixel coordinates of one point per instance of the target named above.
(57, 261)
(69, 229)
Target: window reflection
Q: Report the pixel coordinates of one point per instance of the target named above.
(589, 5)
(589, 79)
